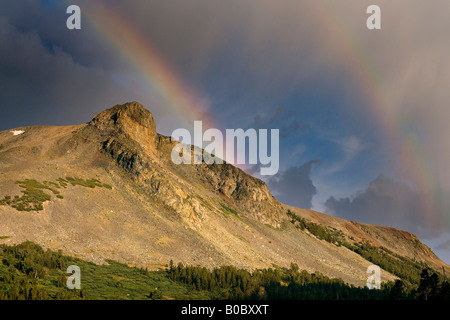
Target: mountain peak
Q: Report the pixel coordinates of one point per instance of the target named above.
(129, 114)
(131, 121)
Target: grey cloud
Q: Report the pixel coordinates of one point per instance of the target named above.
(445, 245)
(43, 85)
(390, 203)
(294, 186)
(283, 119)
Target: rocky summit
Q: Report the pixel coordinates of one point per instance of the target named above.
(109, 190)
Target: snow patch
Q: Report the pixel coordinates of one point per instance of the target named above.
(17, 132)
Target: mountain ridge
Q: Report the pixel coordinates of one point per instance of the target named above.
(157, 211)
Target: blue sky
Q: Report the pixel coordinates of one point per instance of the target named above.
(262, 64)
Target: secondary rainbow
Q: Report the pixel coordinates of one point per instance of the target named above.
(410, 154)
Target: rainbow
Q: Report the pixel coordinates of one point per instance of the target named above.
(410, 154)
(138, 50)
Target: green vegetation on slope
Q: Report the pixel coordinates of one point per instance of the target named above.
(29, 272)
(228, 282)
(277, 283)
(89, 183)
(34, 195)
(227, 210)
(316, 229)
(403, 267)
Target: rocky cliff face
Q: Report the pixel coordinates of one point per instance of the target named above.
(127, 133)
(249, 194)
(155, 211)
(128, 123)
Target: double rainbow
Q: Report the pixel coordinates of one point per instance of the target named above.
(185, 104)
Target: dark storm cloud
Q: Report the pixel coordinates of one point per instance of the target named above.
(48, 20)
(294, 185)
(389, 203)
(42, 84)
